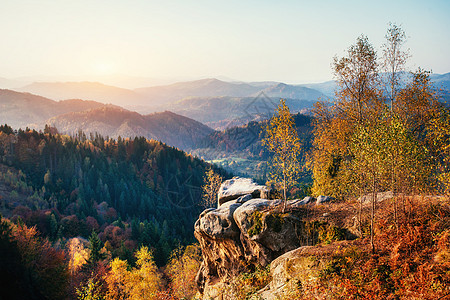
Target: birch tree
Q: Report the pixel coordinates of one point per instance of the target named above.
(282, 140)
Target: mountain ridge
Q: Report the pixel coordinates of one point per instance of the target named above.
(26, 109)
(89, 90)
(112, 121)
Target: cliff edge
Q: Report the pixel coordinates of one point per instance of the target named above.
(247, 232)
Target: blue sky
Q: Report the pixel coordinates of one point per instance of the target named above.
(290, 41)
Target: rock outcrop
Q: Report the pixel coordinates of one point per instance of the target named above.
(303, 267)
(246, 232)
(324, 199)
(230, 237)
(236, 187)
(380, 197)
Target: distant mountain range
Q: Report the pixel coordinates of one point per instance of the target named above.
(112, 121)
(224, 112)
(24, 109)
(84, 90)
(159, 97)
(216, 103)
(200, 88)
(247, 138)
(21, 110)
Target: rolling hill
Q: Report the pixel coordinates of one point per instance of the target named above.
(24, 109)
(442, 83)
(113, 121)
(210, 87)
(282, 90)
(224, 112)
(216, 103)
(20, 110)
(84, 90)
(191, 98)
(238, 149)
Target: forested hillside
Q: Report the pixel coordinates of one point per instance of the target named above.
(23, 109)
(247, 138)
(222, 113)
(113, 121)
(239, 149)
(131, 191)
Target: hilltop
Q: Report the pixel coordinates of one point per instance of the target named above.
(24, 109)
(105, 94)
(173, 129)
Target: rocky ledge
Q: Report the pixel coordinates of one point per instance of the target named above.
(246, 232)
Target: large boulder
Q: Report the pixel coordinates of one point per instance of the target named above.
(236, 187)
(381, 196)
(302, 268)
(240, 235)
(246, 232)
(324, 199)
(218, 223)
(219, 238)
(299, 202)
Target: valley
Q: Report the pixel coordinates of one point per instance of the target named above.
(218, 121)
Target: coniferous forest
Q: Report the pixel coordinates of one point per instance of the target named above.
(128, 193)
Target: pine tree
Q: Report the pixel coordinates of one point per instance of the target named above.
(95, 246)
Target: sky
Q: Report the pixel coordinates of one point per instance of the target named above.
(288, 41)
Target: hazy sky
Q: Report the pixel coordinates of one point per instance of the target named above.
(290, 41)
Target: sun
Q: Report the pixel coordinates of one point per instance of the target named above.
(104, 68)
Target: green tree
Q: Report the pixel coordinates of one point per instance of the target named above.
(369, 157)
(95, 247)
(282, 140)
(357, 77)
(362, 144)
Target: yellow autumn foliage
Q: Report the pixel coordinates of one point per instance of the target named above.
(140, 282)
(182, 269)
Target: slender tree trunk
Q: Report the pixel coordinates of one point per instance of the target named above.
(360, 212)
(372, 214)
(394, 196)
(284, 187)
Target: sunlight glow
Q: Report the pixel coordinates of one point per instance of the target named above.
(104, 68)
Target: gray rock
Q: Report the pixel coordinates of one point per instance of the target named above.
(236, 187)
(294, 203)
(297, 202)
(246, 232)
(323, 199)
(276, 233)
(308, 199)
(242, 214)
(218, 223)
(243, 199)
(380, 197)
(300, 267)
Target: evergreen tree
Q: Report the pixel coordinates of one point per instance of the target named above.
(95, 247)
